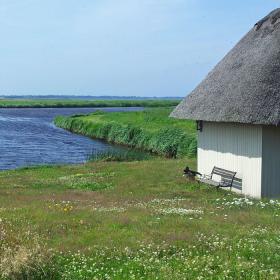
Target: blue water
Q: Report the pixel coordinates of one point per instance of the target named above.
(28, 137)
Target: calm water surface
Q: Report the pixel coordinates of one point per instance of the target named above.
(28, 137)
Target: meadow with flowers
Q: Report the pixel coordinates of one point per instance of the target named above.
(132, 220)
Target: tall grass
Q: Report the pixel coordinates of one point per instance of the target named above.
(119, 155)
(151, 131)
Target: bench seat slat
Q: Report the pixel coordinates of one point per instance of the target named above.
(209, 182)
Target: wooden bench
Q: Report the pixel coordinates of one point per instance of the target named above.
(226, 181)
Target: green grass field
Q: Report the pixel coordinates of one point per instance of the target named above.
(67, 103)
(131, 220)
(150, 130)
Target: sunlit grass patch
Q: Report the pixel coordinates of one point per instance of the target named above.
(170, 207)
(247, 202)
(63, 206)
(109, 209)
(89, 181)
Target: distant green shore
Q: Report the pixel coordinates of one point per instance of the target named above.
(71, 103)
(150, 130)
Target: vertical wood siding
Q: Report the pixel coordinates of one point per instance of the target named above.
(236, 147)
(271, 162)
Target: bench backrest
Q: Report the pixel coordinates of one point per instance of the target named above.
(226, 175)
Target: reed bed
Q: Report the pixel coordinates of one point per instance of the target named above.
(149, 130)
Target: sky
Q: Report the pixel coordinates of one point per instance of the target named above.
(118, 47)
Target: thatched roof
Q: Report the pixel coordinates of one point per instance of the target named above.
(245, 86)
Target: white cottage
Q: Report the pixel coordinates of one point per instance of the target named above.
(237, 107)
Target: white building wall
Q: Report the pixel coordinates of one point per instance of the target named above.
(271, 162)
(236, 147)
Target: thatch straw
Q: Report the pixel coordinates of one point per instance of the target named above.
(245, 86)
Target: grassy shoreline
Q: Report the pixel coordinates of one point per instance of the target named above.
(66, 103)
(149, 130)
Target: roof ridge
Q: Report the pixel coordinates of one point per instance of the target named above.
(272, 18)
